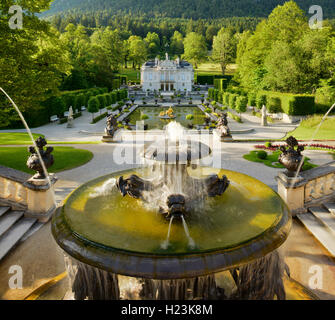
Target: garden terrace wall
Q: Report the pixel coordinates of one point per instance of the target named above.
(315, 186)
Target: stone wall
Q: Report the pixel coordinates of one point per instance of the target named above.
(312, 187)
(20, 192)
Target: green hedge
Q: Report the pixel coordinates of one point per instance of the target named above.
(116, 84)
(100, 117)
(205, 79)
(221, 84)
(294, 104)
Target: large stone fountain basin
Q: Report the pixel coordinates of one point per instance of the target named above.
(121, 235)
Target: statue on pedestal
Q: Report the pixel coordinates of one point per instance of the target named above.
(34, 162)
(291, 156)
(70, 118)
(223, 129)
(111, 126)
(264, 117)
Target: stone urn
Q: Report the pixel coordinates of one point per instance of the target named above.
(291, 156)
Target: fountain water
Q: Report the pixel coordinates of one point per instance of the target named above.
(37, 148)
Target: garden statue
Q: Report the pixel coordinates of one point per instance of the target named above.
(70, 118)
(223, 129)
(111, 126)
(291, 157)
(167, 114)
(34, 162)
(264, 117)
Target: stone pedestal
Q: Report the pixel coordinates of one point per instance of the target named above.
(107, 139)
(69, 123)
(227, 139)
(292, 191)
(264, 121)
(41, 198)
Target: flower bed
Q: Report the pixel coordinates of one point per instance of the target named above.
(319, 146)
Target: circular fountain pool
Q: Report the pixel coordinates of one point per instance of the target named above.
(99, 227)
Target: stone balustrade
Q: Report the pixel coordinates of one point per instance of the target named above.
(311, 187)
(20, 192)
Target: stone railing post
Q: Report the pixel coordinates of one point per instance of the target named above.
(312, 187)
(41, 202)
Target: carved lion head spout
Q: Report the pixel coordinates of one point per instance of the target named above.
(176, 206)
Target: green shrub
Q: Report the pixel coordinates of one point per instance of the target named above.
(241, 104)
(116, 84)
(262, 155)
(102, 101)
(108, 99)
(220, 96)
(220, 84)
(144, 117)
(210, 93)
(294, 104)
(324, 98)
(100, 117)
(252, 99)
(274, 105)
(225, 98)
(113, 96)
(93, 106)
(268, 144)
(208, 110)
(56, 106)
(260, 100)
(76, 103)
(189, 117)
(205, 79)
(232, 100)
(235, 117)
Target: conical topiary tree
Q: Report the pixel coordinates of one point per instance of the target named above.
(93, 106)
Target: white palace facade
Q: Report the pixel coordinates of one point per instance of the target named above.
(167, 75)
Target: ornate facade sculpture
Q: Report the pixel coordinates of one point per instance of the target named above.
(291, 157)
(34, 162)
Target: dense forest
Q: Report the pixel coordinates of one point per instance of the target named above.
(190, 9)
(49, 56)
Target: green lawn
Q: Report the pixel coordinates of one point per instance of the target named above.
(272, 160)
(134, 75)
(16, 138)
(307, 128)
(65, 158)
(214, 69)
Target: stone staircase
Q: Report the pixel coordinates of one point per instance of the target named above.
(14, 228)
(320, 221)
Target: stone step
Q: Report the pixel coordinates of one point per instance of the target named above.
(324, 216)
(7, 220)
(3, 210)
(13, 236)
(330, 206)
(318, 229)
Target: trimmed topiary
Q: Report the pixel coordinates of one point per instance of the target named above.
(262, 155)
